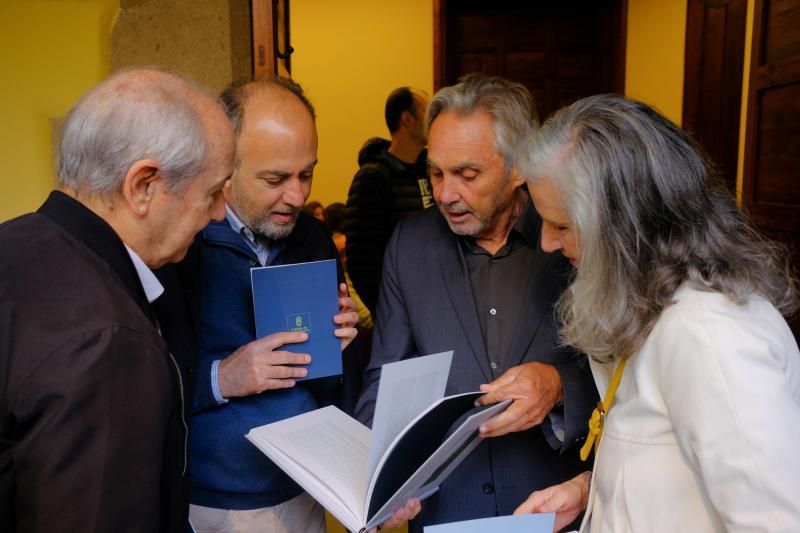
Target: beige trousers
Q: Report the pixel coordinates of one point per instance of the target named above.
(300, 514)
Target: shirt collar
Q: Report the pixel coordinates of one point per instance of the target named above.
(152, 287)
(527, 225)
(265, 249)
(238, 226)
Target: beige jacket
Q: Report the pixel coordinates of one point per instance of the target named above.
(704, 434)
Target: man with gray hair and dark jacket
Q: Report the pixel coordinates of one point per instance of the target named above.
(470, 276)
(93, 419)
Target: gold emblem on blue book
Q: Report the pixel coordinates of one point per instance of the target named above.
(299, 322)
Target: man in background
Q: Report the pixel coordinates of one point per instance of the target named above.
(390, 184)
(92, 420)
(471, 277)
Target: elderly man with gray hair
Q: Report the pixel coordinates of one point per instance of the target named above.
(470, 276)
(92, 404)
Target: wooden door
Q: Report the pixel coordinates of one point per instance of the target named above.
(712, 90)
(271, 43)
(771, 187)
(561, 50)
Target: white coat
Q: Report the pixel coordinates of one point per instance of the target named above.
(704, 432)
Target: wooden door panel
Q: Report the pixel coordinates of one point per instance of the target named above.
(476, 33)
(577, 65)
(478, 62)
(714, 65)
(526, 33)
(561, 50)
(778, 157)
(782, 39)
(771, 188)
(526, 66)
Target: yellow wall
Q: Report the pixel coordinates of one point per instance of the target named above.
(655, 54)
(51, 52)
(349, 56)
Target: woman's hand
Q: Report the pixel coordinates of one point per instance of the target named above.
(567, 500)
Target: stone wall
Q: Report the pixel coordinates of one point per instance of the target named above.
(207, 40)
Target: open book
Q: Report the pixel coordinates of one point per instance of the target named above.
(362, 476)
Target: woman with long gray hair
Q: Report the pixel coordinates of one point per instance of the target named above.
(678, 303)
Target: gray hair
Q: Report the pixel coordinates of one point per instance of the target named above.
(649, 213)
(134, 115)
(509, 104)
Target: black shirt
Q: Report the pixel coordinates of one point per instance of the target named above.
(498, 285)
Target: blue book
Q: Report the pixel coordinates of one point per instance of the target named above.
(523, 523)
(301, 297)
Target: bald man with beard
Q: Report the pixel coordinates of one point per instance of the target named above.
(243, 382)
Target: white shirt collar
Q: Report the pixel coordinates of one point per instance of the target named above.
(152, 287)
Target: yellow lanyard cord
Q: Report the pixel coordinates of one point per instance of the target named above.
(599, 414)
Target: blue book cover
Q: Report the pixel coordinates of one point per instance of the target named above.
(301, 297)
(523, 523)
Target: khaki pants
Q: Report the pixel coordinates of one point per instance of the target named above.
(300, 514)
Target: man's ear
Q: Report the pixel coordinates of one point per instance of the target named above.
(140, 185)
(516, 178)
(406, 119)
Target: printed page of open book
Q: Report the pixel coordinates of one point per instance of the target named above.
(325, 452)
(406, 389)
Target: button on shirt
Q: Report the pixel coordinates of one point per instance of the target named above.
(499, 284)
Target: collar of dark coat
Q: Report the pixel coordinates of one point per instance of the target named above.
(97, 235)
(294, 248)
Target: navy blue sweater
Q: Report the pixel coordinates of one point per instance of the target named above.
(228, 472)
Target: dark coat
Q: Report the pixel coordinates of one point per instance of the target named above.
(91, 429)
(384, 191)
(426, 306)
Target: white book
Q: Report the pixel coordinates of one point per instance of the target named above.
(334, 458)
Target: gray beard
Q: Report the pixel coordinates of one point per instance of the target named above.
(273, 231)
(477, 226)
(268, 229)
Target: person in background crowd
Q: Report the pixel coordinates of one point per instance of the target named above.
(391, 183)
(334, 218)
(315, 210)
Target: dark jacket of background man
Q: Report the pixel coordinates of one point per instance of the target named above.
(391, 183)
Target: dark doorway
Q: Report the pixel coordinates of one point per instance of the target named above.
(561, 50)
(712, 89)
(770, 191)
